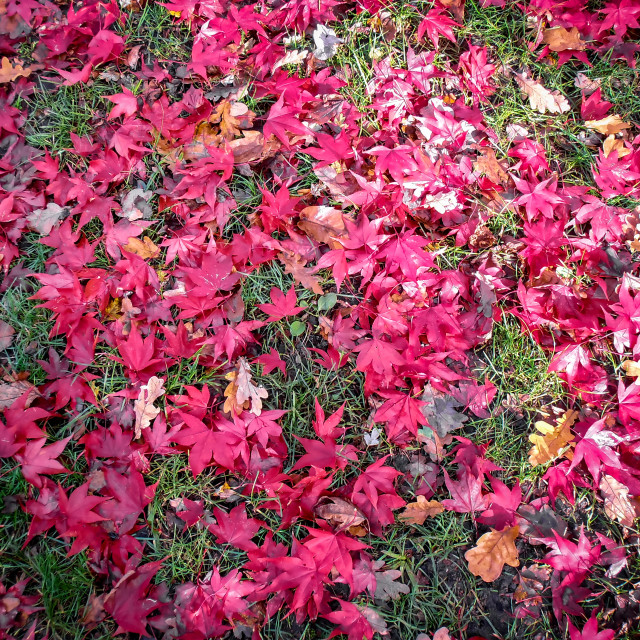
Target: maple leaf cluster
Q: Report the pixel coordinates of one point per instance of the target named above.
(387, 199)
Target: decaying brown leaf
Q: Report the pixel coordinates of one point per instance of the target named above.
(540, 98)
(294, 265)
(43, 220)
(608, 126)
(559, 39)
(488, 165)
(588, 85)
(386, 586)
(323, 224)
(241, 393)
(552, 441)
(492, 552)
(10, 72)
(417, 512)
(11, 391)
(143, 248)
(7, 333)
(143, 408)
(618, 504)
(340, 513)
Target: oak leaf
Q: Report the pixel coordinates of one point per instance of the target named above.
(417, 512)
(552, 441)
(241, 393)
(492, 552)
(143, 408)
(608, 126)
(10, 72)
(618, 504)
(559, 39)
(540, 98)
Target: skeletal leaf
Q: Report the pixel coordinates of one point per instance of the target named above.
(143, 408)
(552, 441)
(492, 552)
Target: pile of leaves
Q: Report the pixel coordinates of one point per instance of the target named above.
(150, 250)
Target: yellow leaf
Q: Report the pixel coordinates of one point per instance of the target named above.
(610, 125)
(493, 551)
(552, 440)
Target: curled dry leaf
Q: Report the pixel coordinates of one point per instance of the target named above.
(552, 441)
(631, 368)
(540, 98)
(340, 513)
(417, 512)
(326, 42)
(492, 552)
(241, 393)
(608, 126)
(559, 39)
(143, 407)
(618, 504)
(135, 205)
(588, 85)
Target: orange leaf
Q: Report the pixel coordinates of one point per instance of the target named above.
(417, 512)
(143, 248)
(492, 552)
(559, 39)
(552, 441)
(9, 72)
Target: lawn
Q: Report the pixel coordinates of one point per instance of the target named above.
(319, 319)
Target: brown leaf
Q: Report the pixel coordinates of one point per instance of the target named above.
(631, 368)
(10, 72)
(552, 441)
(608, 126)
(559, 39)
(618, 504)
(143, 248)
(241, 393)
(587, 84)
(11, 391)
(488, 165)
(43, 220)
(143, 407)
(386, 586)
(540, 98)
(6, 334)
(294, 265)
(232, 117)
(340, 513)
(456, 7)
(612, 144)
(323, 224)
(417, 512)
(492, 552)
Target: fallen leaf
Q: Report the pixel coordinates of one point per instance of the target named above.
(492, 552)
(559, 39)
(417, 512)
(386, 586)
(540, 98)
(143, 248)
(612, 144)
(6, 334)
(552, 441)
(588, 85)
(294, 265)
(618, 504)
(135, 205)
(43, 220)
(143, 407)
(11, 391)
(608, 126)
(241, 393)
(487, 164)
(456, 7)
(631, 368)
(323, 224)
(293, 56)
(340, 513)
(10, 72)
(326, 42)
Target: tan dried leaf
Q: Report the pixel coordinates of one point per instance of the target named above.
(7, 333)
(612, 144)
(553, 440)
(10, 72)
(241, 393)
(323, 224)
(631, 368)
(417, 512)
(492, 552)
(588, 85)
(340, 513)
(11, 391)
(559, 39)
(540, 98)
(618, 504)
(608, 126)
(143, 407)
(143, 248)
(488, 165)
(43, 220)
